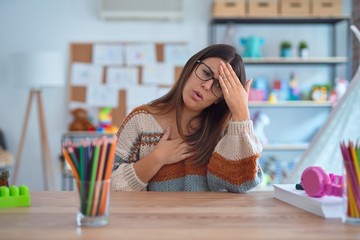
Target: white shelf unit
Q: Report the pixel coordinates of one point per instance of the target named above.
(296, 60)
(287, 147)
(312, 104)
(293, 124)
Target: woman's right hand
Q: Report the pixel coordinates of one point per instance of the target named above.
(171, 151)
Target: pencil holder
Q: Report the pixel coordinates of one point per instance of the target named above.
(351, 183)
(94, 201)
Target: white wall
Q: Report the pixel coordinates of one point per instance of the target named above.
(38, 25)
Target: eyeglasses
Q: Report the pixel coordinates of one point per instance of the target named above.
(204, 73)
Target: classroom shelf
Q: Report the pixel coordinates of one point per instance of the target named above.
(281, 20)
(311, 104)
(296, 60)
(292, 123)
(286, 147)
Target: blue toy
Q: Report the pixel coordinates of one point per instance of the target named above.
(252, 46)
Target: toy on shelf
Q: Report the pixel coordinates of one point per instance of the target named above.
(319, 93)
(275, 171)
(105, 121)
(258, 90)
(294, 91)
(339, 90)
(261, 120)
(281, 90)
(14, 196)
(273, 98)
(252, 46)
(81, 121)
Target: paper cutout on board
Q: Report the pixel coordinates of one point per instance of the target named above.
(84, 74)
(108, 54)
(120, 77)
(102, 95)
(159, 74)
(140, 54)
(176, 54)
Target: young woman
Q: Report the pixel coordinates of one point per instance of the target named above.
(198, 137)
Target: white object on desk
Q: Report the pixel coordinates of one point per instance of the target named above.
(326, 207)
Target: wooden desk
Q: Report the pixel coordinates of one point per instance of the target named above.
(154, 215)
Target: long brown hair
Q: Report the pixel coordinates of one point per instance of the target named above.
(214, 118)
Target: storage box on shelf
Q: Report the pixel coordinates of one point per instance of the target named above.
(263, 8)
(299, 8)
(229, 8)
(327, 8)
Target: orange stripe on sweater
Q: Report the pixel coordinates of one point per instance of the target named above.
(235, 172)
(179, 170)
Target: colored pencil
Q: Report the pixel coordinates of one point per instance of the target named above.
(91, 164)
(352, 167)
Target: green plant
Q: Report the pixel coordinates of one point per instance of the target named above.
(303, 45)
(285, 44)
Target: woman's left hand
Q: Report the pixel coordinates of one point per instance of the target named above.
(235, 94)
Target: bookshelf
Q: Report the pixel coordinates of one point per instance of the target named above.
(292, 123)
(292, 104)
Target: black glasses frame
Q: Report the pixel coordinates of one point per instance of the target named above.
(199, 62)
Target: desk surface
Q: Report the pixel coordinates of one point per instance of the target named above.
(180, 215)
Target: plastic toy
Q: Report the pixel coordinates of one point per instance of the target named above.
(261, 120)
(281, 89)
(252, 46)
(294, 91)
(258, 90)
(14, 196)
(319, 93)
(105, 121)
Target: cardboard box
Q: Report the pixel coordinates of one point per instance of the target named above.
(263, 8)
(229, 8)
(327, 8)
(296, 8)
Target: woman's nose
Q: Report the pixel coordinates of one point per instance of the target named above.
(207, 84)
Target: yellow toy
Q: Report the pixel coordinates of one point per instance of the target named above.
(105, 121)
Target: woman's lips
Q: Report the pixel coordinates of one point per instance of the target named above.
(198, 96)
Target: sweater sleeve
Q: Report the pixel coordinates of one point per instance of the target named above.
(234, 164)
(124, 177)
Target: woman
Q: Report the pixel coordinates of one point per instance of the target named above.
(198, 137)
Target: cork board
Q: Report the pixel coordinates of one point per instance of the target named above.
(82, 53)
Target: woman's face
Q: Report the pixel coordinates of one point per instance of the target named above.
(202, 87)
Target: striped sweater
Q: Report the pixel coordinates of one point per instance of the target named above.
(233, 165)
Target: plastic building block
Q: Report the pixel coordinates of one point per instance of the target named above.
(14, 196)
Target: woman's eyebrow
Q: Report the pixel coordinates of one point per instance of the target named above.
(212, 71)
